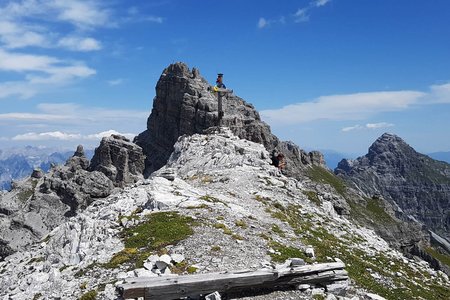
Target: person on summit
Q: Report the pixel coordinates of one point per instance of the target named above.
(219, 81)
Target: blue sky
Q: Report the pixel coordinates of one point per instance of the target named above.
(326, 74)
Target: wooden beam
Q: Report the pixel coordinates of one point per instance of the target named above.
(174, 287)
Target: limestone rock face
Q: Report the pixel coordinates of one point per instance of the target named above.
(119, 159)
(38, 204)
(185, 105)
(417, 186)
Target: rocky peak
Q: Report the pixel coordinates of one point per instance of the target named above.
(184, 105)
(119, 159)
(415, 184)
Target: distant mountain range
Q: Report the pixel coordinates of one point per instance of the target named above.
(17, 163)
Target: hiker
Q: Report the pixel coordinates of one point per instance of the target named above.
(219, 81)
(279, 160)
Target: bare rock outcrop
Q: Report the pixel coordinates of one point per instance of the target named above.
(38, 204)
(119, 159)
(185, 105)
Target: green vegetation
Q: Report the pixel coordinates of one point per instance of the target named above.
(91, 295)
(319, 174)
(319, 297)
(153, 234)
(212, 199)
(443, 258)
(241, 223)
(357, 261)
(376, 209)
(215, 248)
(36, 259)
(278, 230)
(313, 197)
(191, 269)
(284, 252)
(83, 285)
(24, 195)
(37, 296)
(63, 268)
(222, 226)
(84, 271)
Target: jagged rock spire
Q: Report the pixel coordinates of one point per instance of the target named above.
(185, 104)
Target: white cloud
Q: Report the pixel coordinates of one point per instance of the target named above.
(379, 125)
(371, 126)
(70, 113)
(440, 93)
(64, 136)
(262, 23)
(319, 3)
(302, 15)
(343, 107)
(40, 71)
(100, 135)
(115, 81)
(82, 14)
(14, 35)
(84, 44)
(54, 135)
(153, 19)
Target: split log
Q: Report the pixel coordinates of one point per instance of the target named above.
(163, 288)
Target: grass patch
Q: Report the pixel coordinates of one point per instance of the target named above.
(278, 230)
(37, 296)
(319, 174)
(24, 195)
(225, 229)
(376, 209)
(91, 295)
(215, 248)
(241, 223)
(212, 199)
(36, 259)
(443, 258)
(155, 232)
(285, 252)
(413, 285)
(313, 197)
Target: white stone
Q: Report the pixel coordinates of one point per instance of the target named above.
(143, 273)
(177, 258)
(213, 296)
(309, 251)
(149, 266)
(374, 296)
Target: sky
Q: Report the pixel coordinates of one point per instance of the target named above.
(325, 74)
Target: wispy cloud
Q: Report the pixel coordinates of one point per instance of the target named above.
(40, 71)
(134, 15)
(69, 122)
(114, 82)
(301, 15)
(356, 106)
(65, 136)
(343, 107)
(76, 43)
(265, 23)
(371, 126)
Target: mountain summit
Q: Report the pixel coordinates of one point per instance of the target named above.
(417, 185)
(185, 104)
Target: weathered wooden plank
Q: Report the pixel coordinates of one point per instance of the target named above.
(190, 285)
